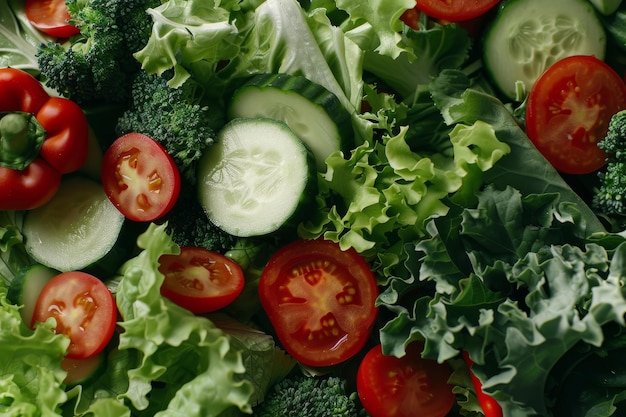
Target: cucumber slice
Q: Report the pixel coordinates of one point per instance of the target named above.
(257, 178)
(79, 229)
(26, 286)
(606, 7)
(311, 111)
(83, 371)
(527, 36)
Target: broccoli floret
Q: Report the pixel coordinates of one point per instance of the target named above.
(304, 396)
(614, 142)
(97, 65)
(609, 197)
(174, 117)
(188, 225)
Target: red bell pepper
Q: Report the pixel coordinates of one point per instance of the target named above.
(490, 406)
(41, 138)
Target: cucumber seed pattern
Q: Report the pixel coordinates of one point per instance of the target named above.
(539, 42)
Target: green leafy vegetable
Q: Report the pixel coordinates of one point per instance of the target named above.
(31, 378)
(524, 168)
(388, 192)
(18, 38)
(13, 255)
(198, 373)
(514, 278)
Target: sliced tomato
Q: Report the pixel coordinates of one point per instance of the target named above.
(84, 310)
(140, 178)
(320, 300)
(568, 112)
(50, 17)
(200, 280)
(404, 387)
(455, 10)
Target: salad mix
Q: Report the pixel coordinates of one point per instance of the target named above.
(448, 241)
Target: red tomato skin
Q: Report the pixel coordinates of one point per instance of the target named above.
(29, 188)
(200, 280)
(580, 86)
(21, 91)
(456, 10)
(50, 17)
(78, 292)
(66, 145)
(320, 301)
(149, 185)
(403, 387)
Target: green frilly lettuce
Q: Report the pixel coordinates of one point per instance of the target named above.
(385, 190)
(514, 282)
(31, 377)
(185, 362)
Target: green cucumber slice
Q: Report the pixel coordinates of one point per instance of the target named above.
(79, 229)
(83, 371)
(26, 286)
(606, 7)
(257, 178)
(311, 111)
(527, 36)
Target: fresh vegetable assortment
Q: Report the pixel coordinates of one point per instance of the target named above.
(375, 208)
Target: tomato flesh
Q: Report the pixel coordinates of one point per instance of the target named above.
(320, 300)
(568, 111)
(404, 387)
(50, 17)
(200, 280)
(140, 178)
(84, 310)
(455, 10)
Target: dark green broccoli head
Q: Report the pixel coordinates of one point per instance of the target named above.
(97, 65)
(614, 143)
(173, 117)
(301, 396)
(610, 198)
(189, 225)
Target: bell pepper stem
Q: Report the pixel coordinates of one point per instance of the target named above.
(15, 135)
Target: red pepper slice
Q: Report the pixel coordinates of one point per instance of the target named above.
(41, 139)
(490, 406)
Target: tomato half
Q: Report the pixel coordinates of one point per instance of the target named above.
(455, 10)
(200, 280)
(140, 178)
(568, 112)
(404, 387)
(84, 310)
(320, 300)
(50, 17)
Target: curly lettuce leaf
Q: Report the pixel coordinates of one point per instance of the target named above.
(383, 17)
(218, 44)
(514, 279)
(31, 377)
(524, 168)
(186, 365)
(424, 55)
(388, 191)
(189, 33)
